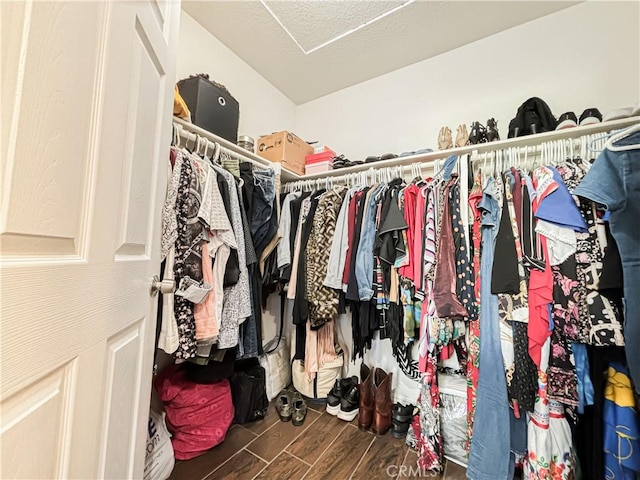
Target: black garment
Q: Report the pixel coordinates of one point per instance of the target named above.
(232, 269)
(611, 274)
(246, 174)
(504, 274)
(533, 116)
(294, 207)
(389, 239)
(588, 432)
(524, 384)
(300, 303)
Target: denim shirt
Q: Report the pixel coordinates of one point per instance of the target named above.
(614, 182)
(364, 254)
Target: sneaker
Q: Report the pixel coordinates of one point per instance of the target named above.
(299, 411)
(340, 387)
(590, 116)
(567, 120)
(284, 406)
(350, 402)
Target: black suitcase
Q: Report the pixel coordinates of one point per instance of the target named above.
(212, 107)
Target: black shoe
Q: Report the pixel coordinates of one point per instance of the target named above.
(590, 116)
(515, 128)
(478, 134)
(350, 402)
(567, 120)
(402, 416)
(492, 130)
(340, 387)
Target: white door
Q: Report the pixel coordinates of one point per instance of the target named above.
(86, 103)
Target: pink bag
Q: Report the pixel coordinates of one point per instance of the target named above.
(198, 414)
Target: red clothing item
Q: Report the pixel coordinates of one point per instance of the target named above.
(475, 196)
(540, 296)
(351, 219)
(417, 259)
(410, 200)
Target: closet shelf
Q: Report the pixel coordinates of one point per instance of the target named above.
(289, 176)
(286, 175)
(568, 133)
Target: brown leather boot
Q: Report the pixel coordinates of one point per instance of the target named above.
(365, 412)
(382, 394)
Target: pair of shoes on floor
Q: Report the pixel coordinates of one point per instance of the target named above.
(375, 400)
(344, 398)
(291, 406)
(402, 418)
(590, 116)
(374, 158)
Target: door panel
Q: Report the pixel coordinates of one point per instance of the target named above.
(44, 199)
(85, 132)
(33, 426)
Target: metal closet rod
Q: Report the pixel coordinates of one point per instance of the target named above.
(189, 130)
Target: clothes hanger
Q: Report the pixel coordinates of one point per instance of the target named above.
(619, 136)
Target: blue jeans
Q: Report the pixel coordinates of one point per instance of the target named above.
(614, 181)
(264, 193)
(364, 254)
(491, 443)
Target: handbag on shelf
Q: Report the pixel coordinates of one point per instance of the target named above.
(275, 359)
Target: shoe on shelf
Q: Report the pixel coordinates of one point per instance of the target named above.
(492, 130)
(515, 128)
(567, 120)
(284, 406)
(388, 156)
(478, 134)
(590, 116)
(462, 135)
(618, 113)
(335, 395)
(444, 138)
(402, 417)
(350, 402)
(299, 411)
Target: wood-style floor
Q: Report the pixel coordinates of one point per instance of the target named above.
(324, 447)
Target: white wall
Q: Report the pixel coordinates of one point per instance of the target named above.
(263, 108)
(584, 56)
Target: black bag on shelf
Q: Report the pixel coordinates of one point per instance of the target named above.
(249, 391)
(212, 106)
(533, 116)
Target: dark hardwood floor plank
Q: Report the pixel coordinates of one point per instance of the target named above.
(242, 466)
(342, 457)
(383, 460)
(269, 445)
(284, 467)
(260, 426)
(309, 446)
(199, 467)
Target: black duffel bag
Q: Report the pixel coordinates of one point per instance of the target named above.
(249, 391)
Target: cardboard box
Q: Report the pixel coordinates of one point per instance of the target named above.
(285, 148)
(319, 157)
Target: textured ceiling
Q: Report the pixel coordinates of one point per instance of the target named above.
(418, 31)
